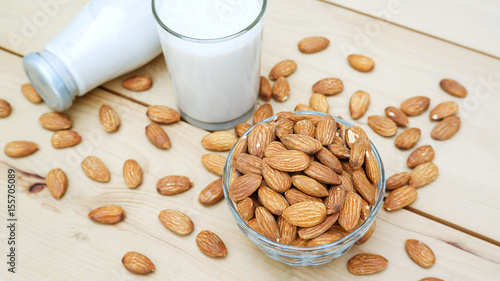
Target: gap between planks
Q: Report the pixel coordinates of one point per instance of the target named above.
(411, 29)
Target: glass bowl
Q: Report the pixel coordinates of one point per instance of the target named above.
(304, 256)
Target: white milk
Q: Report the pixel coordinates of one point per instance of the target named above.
(213, 57)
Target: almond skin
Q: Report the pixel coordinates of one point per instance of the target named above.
(244, 186)
(420, 253)
(5, 108)
(137, 263)
(361, 63)
(138, 83)
(329, 160)
(347, 181)
(358, 104)
(55, 121)
(210, 244)
(213, 163)
(382, 125)
(423, 174)
(453, 88)
(20, 148)
(397, 180)
(176, 221)
(335, 199)
(355, 132)
(255, 226)
(246, 163)
(157, 136)
(171, 185)
(443, 110)
(407, 139)
(364, 264)
(265, 90)
(109, 119)
(294, 196)
(319, 103)
(272, 200)
(56, 182)
(302, 143)
(446, 129)
(262, 113)
(415, 105)
(420, 155)
(65, 138)
(283, 127)
(107, 214)
(212, 193)
(281, 89)
(304, 127)
(267, 224)
(309, 186)
(132, 173)
(283, 69)
(328, 86)
(30, 93)
(162, 114)
(278, 181)
(372, 169)
(303, 107)
(329, 236)
(397, 115)
(357, 155)
(288, 231)
(322, 173)
(259, 137)
(349, 215)
(273, 147)
(325, 130)
(241, 128)
(317, 230)
(400, 197)
(305, 214)
(339, 151)
(288, 161)
(95, 169)
(219, 141)
(246, 208)
(364, 186)
(431, 279)
(367, 234)
(313, 44)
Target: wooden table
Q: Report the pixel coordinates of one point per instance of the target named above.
(414, 46)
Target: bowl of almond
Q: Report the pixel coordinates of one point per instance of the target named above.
(304, 186)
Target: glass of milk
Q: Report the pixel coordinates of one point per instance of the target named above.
(212, 49)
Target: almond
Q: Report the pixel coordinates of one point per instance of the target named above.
(109, 119)
(294, 196)
(397, 115)
(407, 139)
(281, 89)
(210, 244)
(162, 114)
(55, 121)
(342, 129)
(313, 44)
(431, 279)
(260, 136)
(415, 105)
(423, 174)
(107, 214)
(364, 264)
(56, 182)
(325, 130)
(453, 88)
(246, 208)
(397, 180)
(219, 141)
(304, 127)
(212, 193)
(265, 91)
(95, 169)
(299, 242)
(20, 148)
(295, 117)
(241, 145)
(347, 181)
(339, 151)
(328, 86)
(329, 160)
(157, 136)
(367, 234)
(176, 221)
(420, 253)
(446, 129)
(365, 209)
(361, 63)
(317, 230)
(277, 180)
(272, 200)
(137, 263)
(335, 199)
(262, 113)
(5, 108)
(282, 69)
(349, 215)
(273, 147)
(358, 104)
(347, 167)
(302, 107)
(364, 186)
(283, 127)
(138, 83)
(443, 110)
(171, 185)
(319, 103)
(65, 138)
(255, 226)
(357, 155)
(246, 163)
(132, 173)
(30, 93)
(214, 163)
(382, 125)
(244, 186)
(326, 238)
(288, 161)
(355, 132)
(309, 186)
(305, 214)
(400, 197)
(322, 173)
(302, 143)
(267, 224)
(420, 155)
(288, 231)
(241, 128)
(371, 167)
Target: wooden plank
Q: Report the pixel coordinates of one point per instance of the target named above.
(56, 240)
(473, 24)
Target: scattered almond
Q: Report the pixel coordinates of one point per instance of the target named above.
(157, 136)
(138, 83)
(358, 104)
(56, 182)
(265, 91)
(397, 115)
(319, 103)
(107, 214)
(281, 89)
(415, 105)
(262, 113)
(420, 253)
(219, 141)
(109, 119)
(443, 110)
(214, 163)
(364, 264)
(328, 86)
(361, 63)
(95, 169)
(212, 193)
(30, 93)
(5, 108)
(210, 244)
(162, 114)
(282, 69)
(446, 129)
(313, 44)
(176, 221)
(423, 174)
(453, 88)
(65, 138)
(20, 148)
(55, 121)
(382, 125)
(397, 180)
(132, 173)
(171, 185)
(420, 155)
(137, 263)
(400, 197)
(407, 139)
